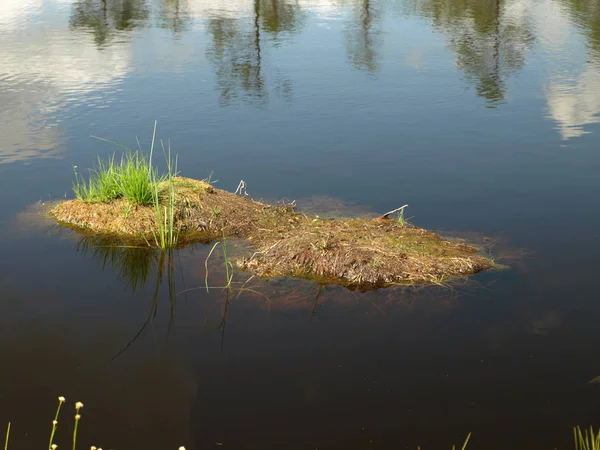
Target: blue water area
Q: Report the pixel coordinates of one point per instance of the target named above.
(482, 116)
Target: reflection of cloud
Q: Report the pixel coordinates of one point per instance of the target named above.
(13, 12)
(414, 59)
(573, 97)
(575, 103)
(43, 70)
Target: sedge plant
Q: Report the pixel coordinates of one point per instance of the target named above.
(586, 439)
(135, 179)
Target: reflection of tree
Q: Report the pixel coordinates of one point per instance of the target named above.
(490, 38)
(174, 15)
(587, 15)
(237, 48)
(362, 37)
(105, 17)
(278, 16)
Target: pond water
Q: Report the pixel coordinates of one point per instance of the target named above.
(482, 115)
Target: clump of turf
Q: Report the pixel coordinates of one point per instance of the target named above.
(361, 253)
(364, 253)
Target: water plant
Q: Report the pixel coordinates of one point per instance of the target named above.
(154, 210)
(102, 184)
(166, 234)
(7, 436)
(136, 180)
(61, 400)
(401, 221)
(587, 439)
(228, 264)
(51, 444)
(135, 176)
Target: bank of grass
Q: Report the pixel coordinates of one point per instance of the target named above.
(130, 200)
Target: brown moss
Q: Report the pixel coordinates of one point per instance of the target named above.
(361, 253)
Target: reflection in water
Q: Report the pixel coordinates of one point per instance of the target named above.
(135, 265)
(574, 98)
(548, 321)
(105, 18)
(175, 15)
(586, 15)
(490, 39)
(363, 36)
(279, 16)
(46, 70)
(236, 57)
(237, 49)
(575, 101)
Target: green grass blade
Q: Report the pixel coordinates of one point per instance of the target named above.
(7, 436)
(112, 142)
(466, 441)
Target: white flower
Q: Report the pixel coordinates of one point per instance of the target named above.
(61, 399)
(182, 448)
(55, 422)
(77, 417)
(54, 446)
(78, 405)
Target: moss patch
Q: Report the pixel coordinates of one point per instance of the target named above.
(363, 253)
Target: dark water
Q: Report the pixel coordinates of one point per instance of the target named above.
(482, 115)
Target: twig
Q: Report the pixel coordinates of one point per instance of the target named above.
(385, 216)
(241, 188)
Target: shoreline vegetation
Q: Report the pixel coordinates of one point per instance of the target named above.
(130, 201)
(584, 439)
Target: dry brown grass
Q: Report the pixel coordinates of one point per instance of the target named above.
(362, 253)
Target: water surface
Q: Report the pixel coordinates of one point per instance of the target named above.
(483, 116)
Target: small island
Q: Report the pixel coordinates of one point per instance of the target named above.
(130, 202)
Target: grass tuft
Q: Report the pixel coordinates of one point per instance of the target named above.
(135, 179)
(587, 439)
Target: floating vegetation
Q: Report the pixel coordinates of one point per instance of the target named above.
(361, 253)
